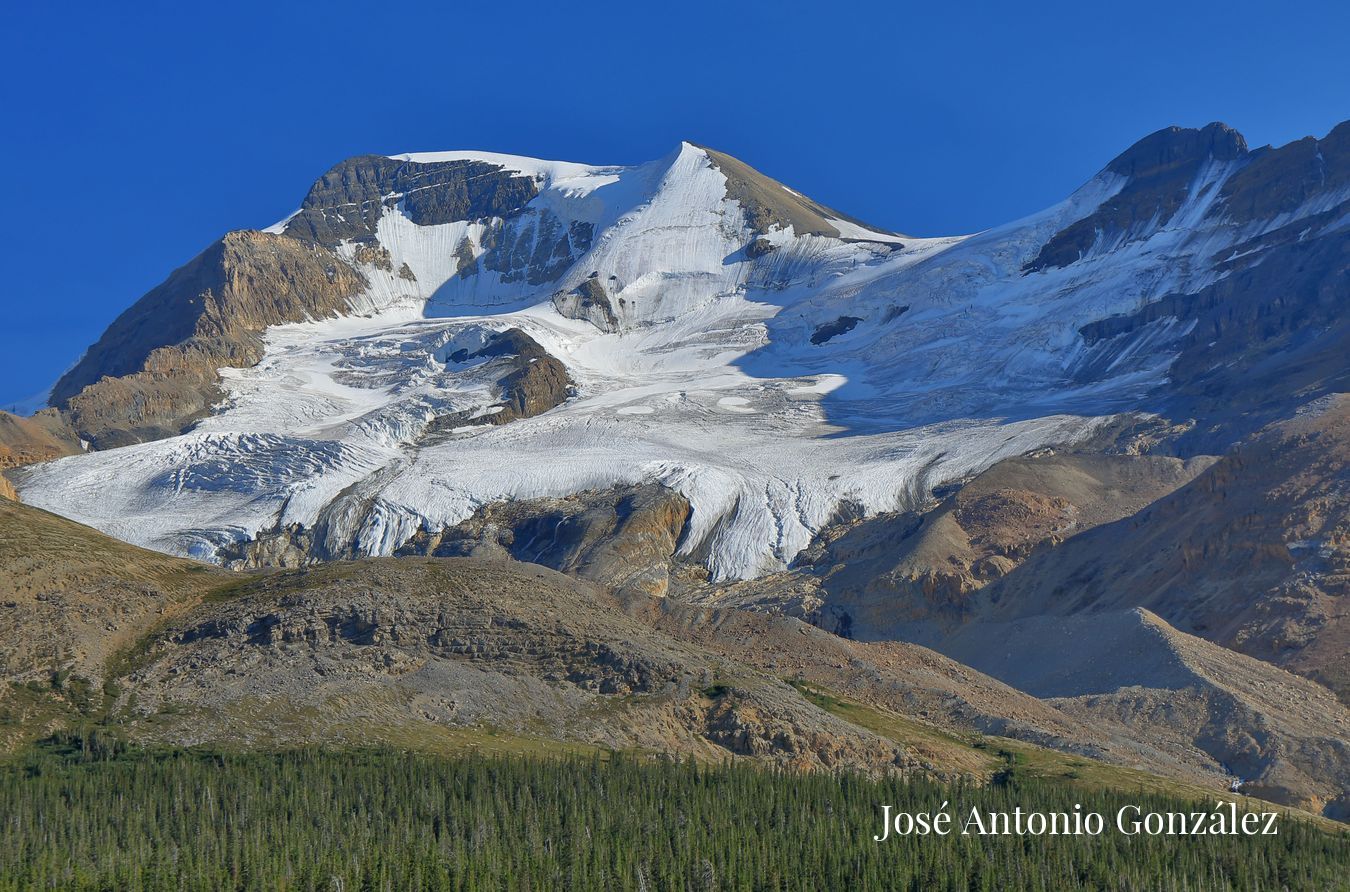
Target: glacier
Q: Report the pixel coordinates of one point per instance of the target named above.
(732, 376)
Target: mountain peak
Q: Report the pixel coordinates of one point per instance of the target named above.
(1175, 146)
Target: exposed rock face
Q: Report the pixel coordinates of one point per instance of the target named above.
(622, 538)
(538, 383)
(521, 243)
(1161, 169)
(154, 371)
(532, 381)
(759, 247)
(1279, 180)
(536, 247)
(1289, 739)
(1253, 554)
(1274, 328)
(347, 201)
(25, 441)
(288, 547)
(874, 579)
(376, 256)
(1269, 330)
(768, 204)
(831, 330)
(589, 301)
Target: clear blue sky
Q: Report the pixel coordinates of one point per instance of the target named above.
(135, 136)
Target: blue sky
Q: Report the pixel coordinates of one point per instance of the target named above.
(134, 137)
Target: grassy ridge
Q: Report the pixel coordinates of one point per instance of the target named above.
(86, 814)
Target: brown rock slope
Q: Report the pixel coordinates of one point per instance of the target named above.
(450, 652)
(530, 382)
(40, 437)
(71, 598)
(409, 651)
(767, 203)
(154, 371)
(416, 650)
(25, 441)
(1287, 737)
(1253, 554)
(927, 690)
(875, 578)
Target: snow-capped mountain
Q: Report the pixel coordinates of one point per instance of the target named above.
(691, 323)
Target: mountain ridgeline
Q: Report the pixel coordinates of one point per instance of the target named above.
(672, 457)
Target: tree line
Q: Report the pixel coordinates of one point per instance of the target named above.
(83, 814)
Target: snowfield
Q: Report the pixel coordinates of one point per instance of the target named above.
(709, 382)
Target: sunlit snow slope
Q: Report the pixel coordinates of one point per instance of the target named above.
(774, 364)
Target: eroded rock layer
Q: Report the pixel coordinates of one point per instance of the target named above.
(155, 370)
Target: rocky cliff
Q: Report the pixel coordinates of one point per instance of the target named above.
(155, 370)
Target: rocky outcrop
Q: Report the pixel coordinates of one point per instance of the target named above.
(759, 247)
(1253, 554)
(531, 381)
(623, 538)
(536, 385)
(880, 577)
(768, 204)
(346, 203)
(590, 301)
(1280, 180)
(287, 546)
(1161, 168)
(520, 243)
(154, 371)
(536, 247)
(375, 255)
(829, 330)
(1273, 327)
